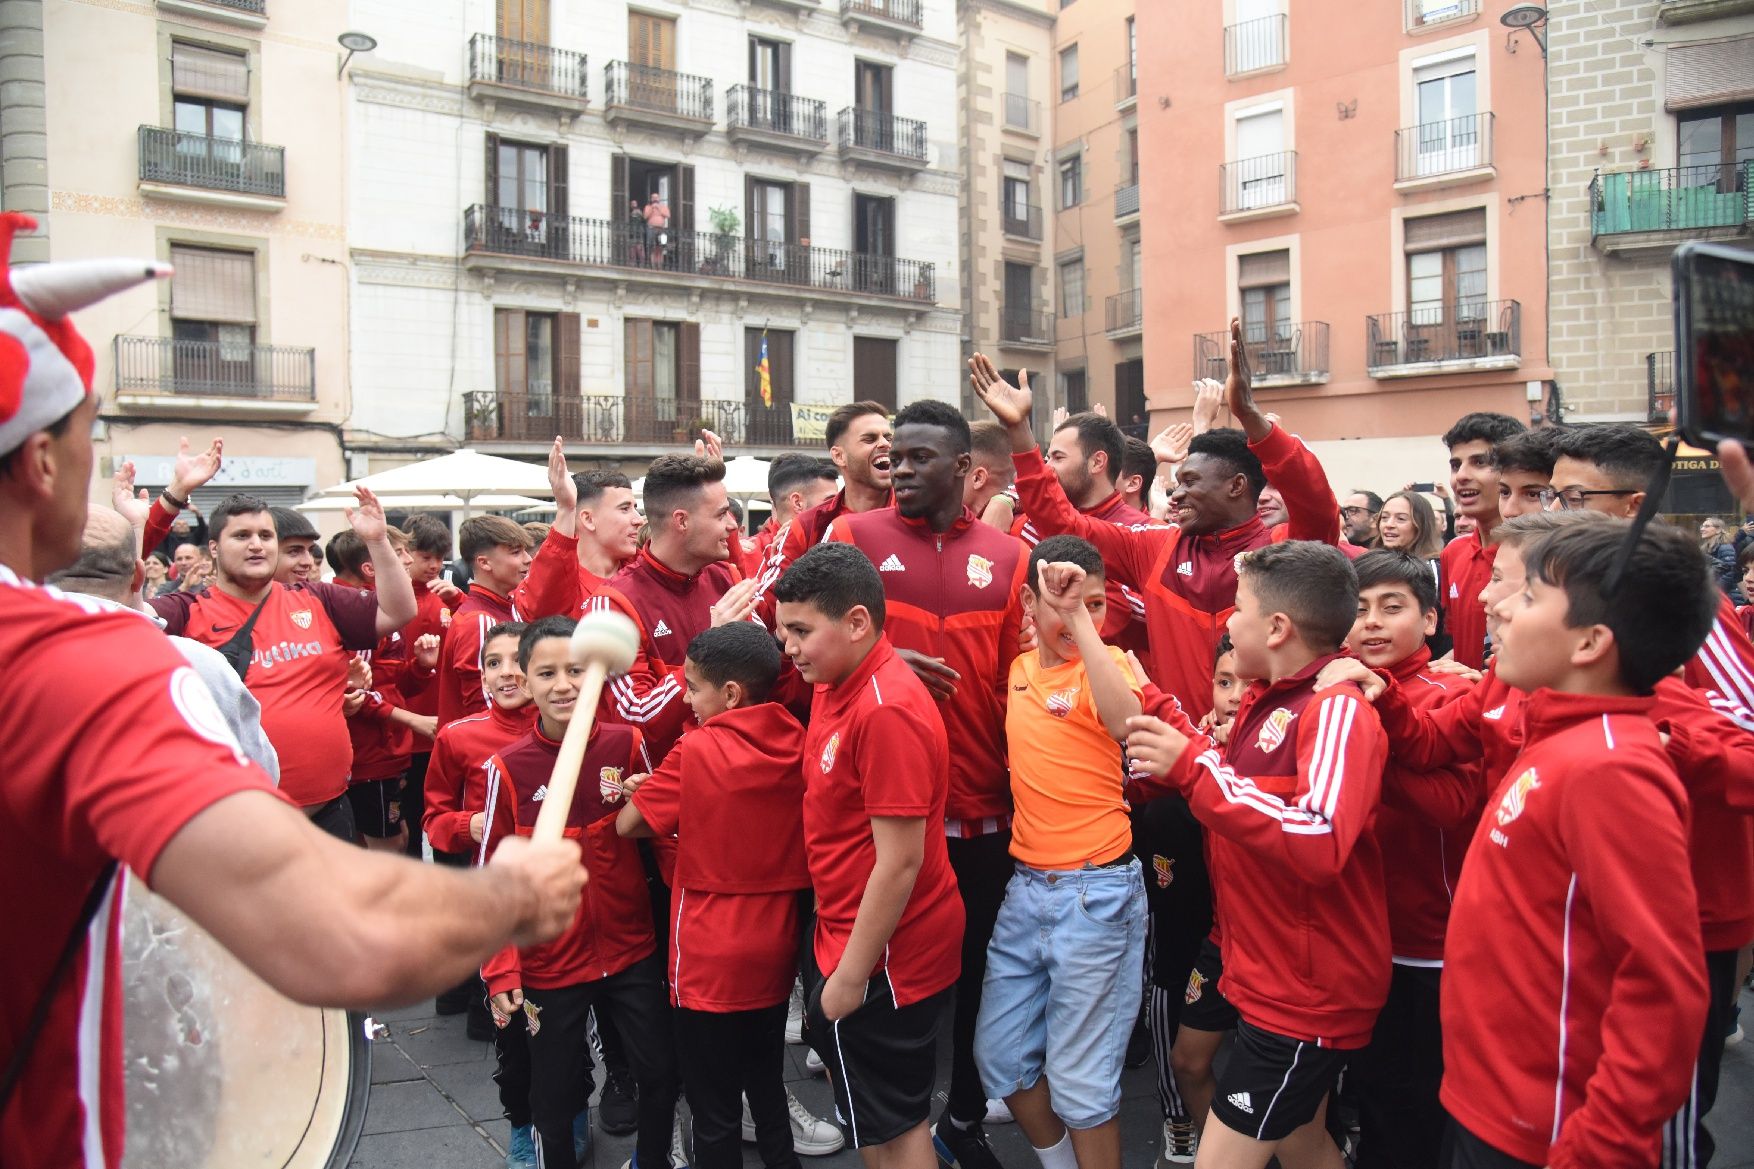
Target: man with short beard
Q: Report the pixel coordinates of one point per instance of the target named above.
(300, 644)
(1358, 513)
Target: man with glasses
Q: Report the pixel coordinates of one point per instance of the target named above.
(1358, 514)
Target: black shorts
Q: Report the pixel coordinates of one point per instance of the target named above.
(1272, 1085)
(882, 1059)
(1464, 1150)
(1204, 1007)
(377, 807)
(335, 818)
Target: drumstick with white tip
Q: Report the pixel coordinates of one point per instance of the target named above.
(607, 643)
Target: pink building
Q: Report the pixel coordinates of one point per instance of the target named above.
(1367, 193)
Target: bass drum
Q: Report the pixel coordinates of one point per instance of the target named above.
(223, 1071)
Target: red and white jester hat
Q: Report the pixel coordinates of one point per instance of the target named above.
(45, 365)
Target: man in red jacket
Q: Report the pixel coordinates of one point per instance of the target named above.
(1297, 872)
(498, 554)
(429, 544)
(595, 533)
(1467, 560)
(951, 584)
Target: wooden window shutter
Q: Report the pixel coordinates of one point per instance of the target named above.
(557, 176)
(1709, 73)
(510, 330)
(688, 357)
(779, 360)
(1263, 269)
(637, 377)
(618, 181)
(566, 349)
(684, 217)
(751, 210)
(800, 212)
(492, 199)
(1432, 233)
(197, 71)
(783, 82)
(213, 285)
(523, 20)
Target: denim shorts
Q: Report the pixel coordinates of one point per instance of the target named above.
(1063, 986)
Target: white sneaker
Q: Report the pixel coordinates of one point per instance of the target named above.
(795, 1016)
(999, 1112)
(814, 1065)
(811, 1135)
(1180, 1144)
(1735, 1036)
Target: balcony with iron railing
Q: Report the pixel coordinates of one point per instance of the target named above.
(1126, 87)
(1688, 11)
(199, 168)
(621, 420)
(1257, 188)
(1022, 114)
(1124, 314)
(242, 13)
(1656, 209)
(1457, 337)
(1436, 154)
(1423, 15)
(904, 18)
(1255, 46)
(772, 118)
(1021, 220)
(495, 237)
(1659, 375)
(660, 99)
(1283, 355)
(164, 372)
(1127, 199)
(881, 139)
(527, 73)
(1023, 328)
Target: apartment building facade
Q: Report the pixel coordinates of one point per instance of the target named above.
(591, 219)
(1006, 118)
(1094, 178)
(205, 133)
(1652, 130)
(1367, 195)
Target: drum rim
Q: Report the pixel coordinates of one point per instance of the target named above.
(358, 1092)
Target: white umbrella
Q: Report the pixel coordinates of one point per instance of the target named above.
(430, 503)
(745, 478)
(466, 474)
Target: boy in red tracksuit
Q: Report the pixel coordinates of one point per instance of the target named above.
(609, 953)
(429, 545)
(952, 585)
(498, 553)
(1574, 983)
(734, 907)
(1423, 828)
(1287, 805)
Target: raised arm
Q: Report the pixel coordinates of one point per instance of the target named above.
(395, 591)
(190, 472)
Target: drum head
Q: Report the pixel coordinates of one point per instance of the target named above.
(223, 1071)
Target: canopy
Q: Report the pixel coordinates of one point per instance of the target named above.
(429, 503)
(745, 478)
(465, 474)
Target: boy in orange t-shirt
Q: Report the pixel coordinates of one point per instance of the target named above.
(1054, 1019)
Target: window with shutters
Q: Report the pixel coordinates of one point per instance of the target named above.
(769, 422)
(777, 225)
(1071, 280)
(661, 379)
(874, 370)
(522, 20)
(213, 316)
(1074, 390)
(210, 94)
(1714, 146)
(1130, 389)
(1446, 267)
(1071, 182)
(526, 185)
(1018, 204)
(1068, 72)
(1265, 281)
(536, 371)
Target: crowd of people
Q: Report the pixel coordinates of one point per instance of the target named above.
(1451, 843)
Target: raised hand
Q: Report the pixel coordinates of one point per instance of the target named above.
(193, 471)
(1100, 410)
(1738, 471)
(195, 579)
(134, 507)
(367, 520)
(1062, 584)
(1239, 391)
(1171, 444)
(566, 492)
(709, 446)
(445, 591)
(1009, 403)
(1208, 404)
(1059, 418)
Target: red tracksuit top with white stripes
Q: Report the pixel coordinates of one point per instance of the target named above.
(1124, 624)
(1189, 582)
(1574, 981)
(954, 595)
(1296, 873)
(613, 927)
(794, 538)
(459, 680)
(456, 776)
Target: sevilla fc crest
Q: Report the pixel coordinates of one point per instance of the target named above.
(302, 618)
(980, 571)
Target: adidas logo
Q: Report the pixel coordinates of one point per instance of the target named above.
(1495, 713)
(1185, 568)
(1240, 1100)
(893, 564)
(662, 630)
(541, 794)
(1454, 593)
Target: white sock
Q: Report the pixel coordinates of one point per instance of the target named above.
(1059, 1156)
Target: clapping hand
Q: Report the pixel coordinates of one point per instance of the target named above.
(1009, 403)
(1171, 444)
(194, 471)
(367, 520)
(134, 508)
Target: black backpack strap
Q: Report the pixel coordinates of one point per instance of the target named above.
(39, 1014)
(238, 647)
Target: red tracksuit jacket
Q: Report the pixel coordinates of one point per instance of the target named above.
(431, 616)
(797, 536)
(954, 595)
(1466, 568)
(1189, 584)
(456, 778)
(1574, 979)
(613, 927)
(557, 585)
(381, 747)
(1124, 625)
(1296, 873)
(459, 680)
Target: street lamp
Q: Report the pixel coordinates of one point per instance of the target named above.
(1529, 16)
(354, 42)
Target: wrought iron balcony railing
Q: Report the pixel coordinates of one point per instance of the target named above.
(1022, 221)
(1126, 85)
(1125, 311)
(1682, 198)
(659, 91)
(1126, 200)
(1468, 330)
(1659, 374)
(527, 65)
(1298, 351)
(1021, 324)
(214, 164)
(1263, 43)
(908, 12)
(874, 130)
(603, 243)
(774, 112)
(215, 369)
(1255, 184)
(1441, 148)
(491, 416)
(1022, 113)
(1424, 13)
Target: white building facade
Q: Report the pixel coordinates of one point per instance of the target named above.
(509, 283)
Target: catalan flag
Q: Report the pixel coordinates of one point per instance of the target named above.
(765, 373)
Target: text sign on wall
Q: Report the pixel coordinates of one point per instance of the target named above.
(240, 471)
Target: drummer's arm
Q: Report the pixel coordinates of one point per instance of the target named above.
(329, 924)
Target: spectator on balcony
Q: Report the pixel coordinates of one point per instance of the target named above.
(657, 217)
(636, 233)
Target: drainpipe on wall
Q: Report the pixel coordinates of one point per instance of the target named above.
(24, 134)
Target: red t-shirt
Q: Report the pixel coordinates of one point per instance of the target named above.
(116, 746)
(876, 747)
(298, 672)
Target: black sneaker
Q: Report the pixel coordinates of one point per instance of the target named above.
(478, 1022)
(963, 1148)
(618, 1109)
